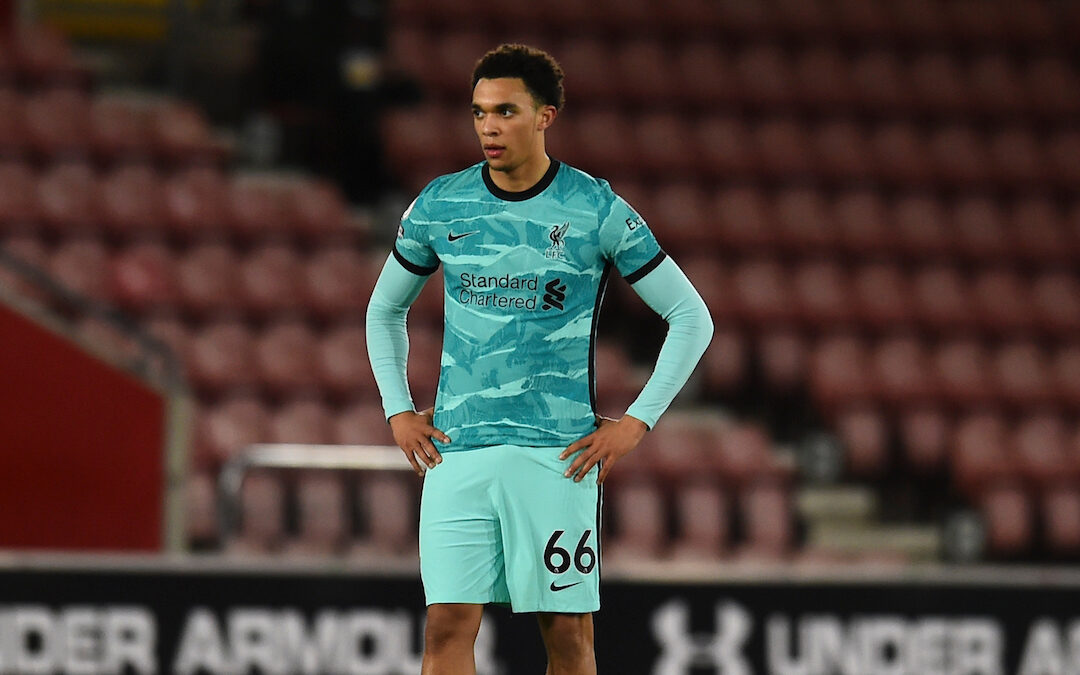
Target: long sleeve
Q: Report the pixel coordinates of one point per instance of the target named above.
(387, 335)
(671, 295)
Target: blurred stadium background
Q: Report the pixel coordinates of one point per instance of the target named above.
(879, 200)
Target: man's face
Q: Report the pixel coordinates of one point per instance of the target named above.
(508, 122)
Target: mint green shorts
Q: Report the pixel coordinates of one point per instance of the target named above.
(502, 525)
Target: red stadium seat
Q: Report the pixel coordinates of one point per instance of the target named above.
(262, 517)
(924, 434)
(617, 385)
(663, 144)
(589, 62)
(387, 505)
(640, 517)
(315, 208)
(840, 372)
(601, 142)
(725, 362)
(922, 228)
(918, 20)
(222, 356)
(840, 149)
(342, 362)
(981, 454)
(302, 421)
(1037, 232)
(118, 129)
(256, 206)
(900, 154)
(745, 455)
(765, 75)
(862, 221)
(960, 156)
(44, 58)
(938, 83)
(1055, 303)
(1002, 301)
(677, 447)
(683, 218)
(322, 523)
(195, 201)
(1008, 512)
(208, 279)
(963, 372)
(823, 80)
(82, 265)
(783, 149)
(200, 512)
(132, 200)
(942, 299)
(57, 124)
(902, 372)
(880, 82)
(174, 334)
(703, 74)
(337, 281)
(981, 229)
(1052, 87)
(783, 356)
(18, 196)
(1018, 158)
(767, 519)
(882, 296)
(1040, 443)
(864, 433)
(271, 279)
(69, 197)
(745, 219)
(231, 425)
(144, 277)
(285, 357)
(724, 147)
(712, 281)
(642, 70)
(1021, 372)
(822, 293)
(867, 21)
(1063, 152)
(703, 522)
(30, 249)
(803, 221)
(996, 84)
(12, 125)
(180, 133)
(1059, 509)
(762, 292)
(362, 423)
(1066, 371)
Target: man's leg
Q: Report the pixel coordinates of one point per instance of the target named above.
(569, 642)
(449, 637)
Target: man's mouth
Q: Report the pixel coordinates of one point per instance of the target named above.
(494, 151)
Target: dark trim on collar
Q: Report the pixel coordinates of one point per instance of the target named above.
(506, 195)
(640, 272)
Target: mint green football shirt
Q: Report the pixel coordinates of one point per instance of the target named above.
(525, 274)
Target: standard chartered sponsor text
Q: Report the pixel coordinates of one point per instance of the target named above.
(489, 291)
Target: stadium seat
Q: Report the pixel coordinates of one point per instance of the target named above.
(862, 221)
(455, 50)
(200, 512)
(12, 127)
(1018, 158)
(617, 385)
(962, 368)
(1059, 510)
(1065, 367)
(222, 356)
(663, 143)
(131, 201)
(677, 447)
(762, 292)
(996, 85)
(362, 423)
(918, 20)
(342, 363)
(703, 523)
(782, 356)
(1055, 303)
(118, 129)
(315, 208)
(601, 141)
(57, 124)
(387, 507)
(337, 281)
(924, 433)
(174, 333)
(1052, 87)
(255, 207)
(683, 219)
(1037, 232)
(743, 455)
(981, 454)
(900, 154)
(640, 517)
(726, 362)
(180, 134)
(1008, 512)
(28, 248)
(783, 149)
(880, 81)
(764, 75)
(864, 434)
(262, 517)
(642, 69)
(594, 80)
(723, 142)
(1021, 374)
(821, 290)
(69, 197)
(18, 195)
(959, 155)
(208, 279)
(882, 296)
(321, 521)
(1002, 301)
(767, 520)
(43, 58)
(302, 420)
(1063, 153)
(840, 150)
(942, 298)
(195, 201)
(712, 280)
(1040, 443)
(823, 80)
(839, 372)
(82, 265)
(143, 277)
(981, 229)
(902, 373)
(938, 83)
(271, 279)
(703, 75)
(286, 360)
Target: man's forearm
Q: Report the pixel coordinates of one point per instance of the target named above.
(387, 334)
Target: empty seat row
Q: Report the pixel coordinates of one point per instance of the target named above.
(136, 199)
(966, 22)
(1021, 523)
(34, 55)
(702, 74)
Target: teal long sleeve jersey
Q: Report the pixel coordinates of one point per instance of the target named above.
(525, 274)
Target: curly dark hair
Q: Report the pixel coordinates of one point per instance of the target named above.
(537, 69)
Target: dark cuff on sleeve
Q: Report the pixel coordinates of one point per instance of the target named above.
(413, 267)
(640, 272)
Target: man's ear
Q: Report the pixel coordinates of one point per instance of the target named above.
(546, 117)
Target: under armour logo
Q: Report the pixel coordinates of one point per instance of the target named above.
(554, 294)
(681, 650)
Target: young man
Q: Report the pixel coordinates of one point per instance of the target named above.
(513, 451)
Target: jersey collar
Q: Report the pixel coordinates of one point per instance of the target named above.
(506, 195)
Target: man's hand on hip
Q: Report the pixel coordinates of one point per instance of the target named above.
(610, 442)
(413, 432)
